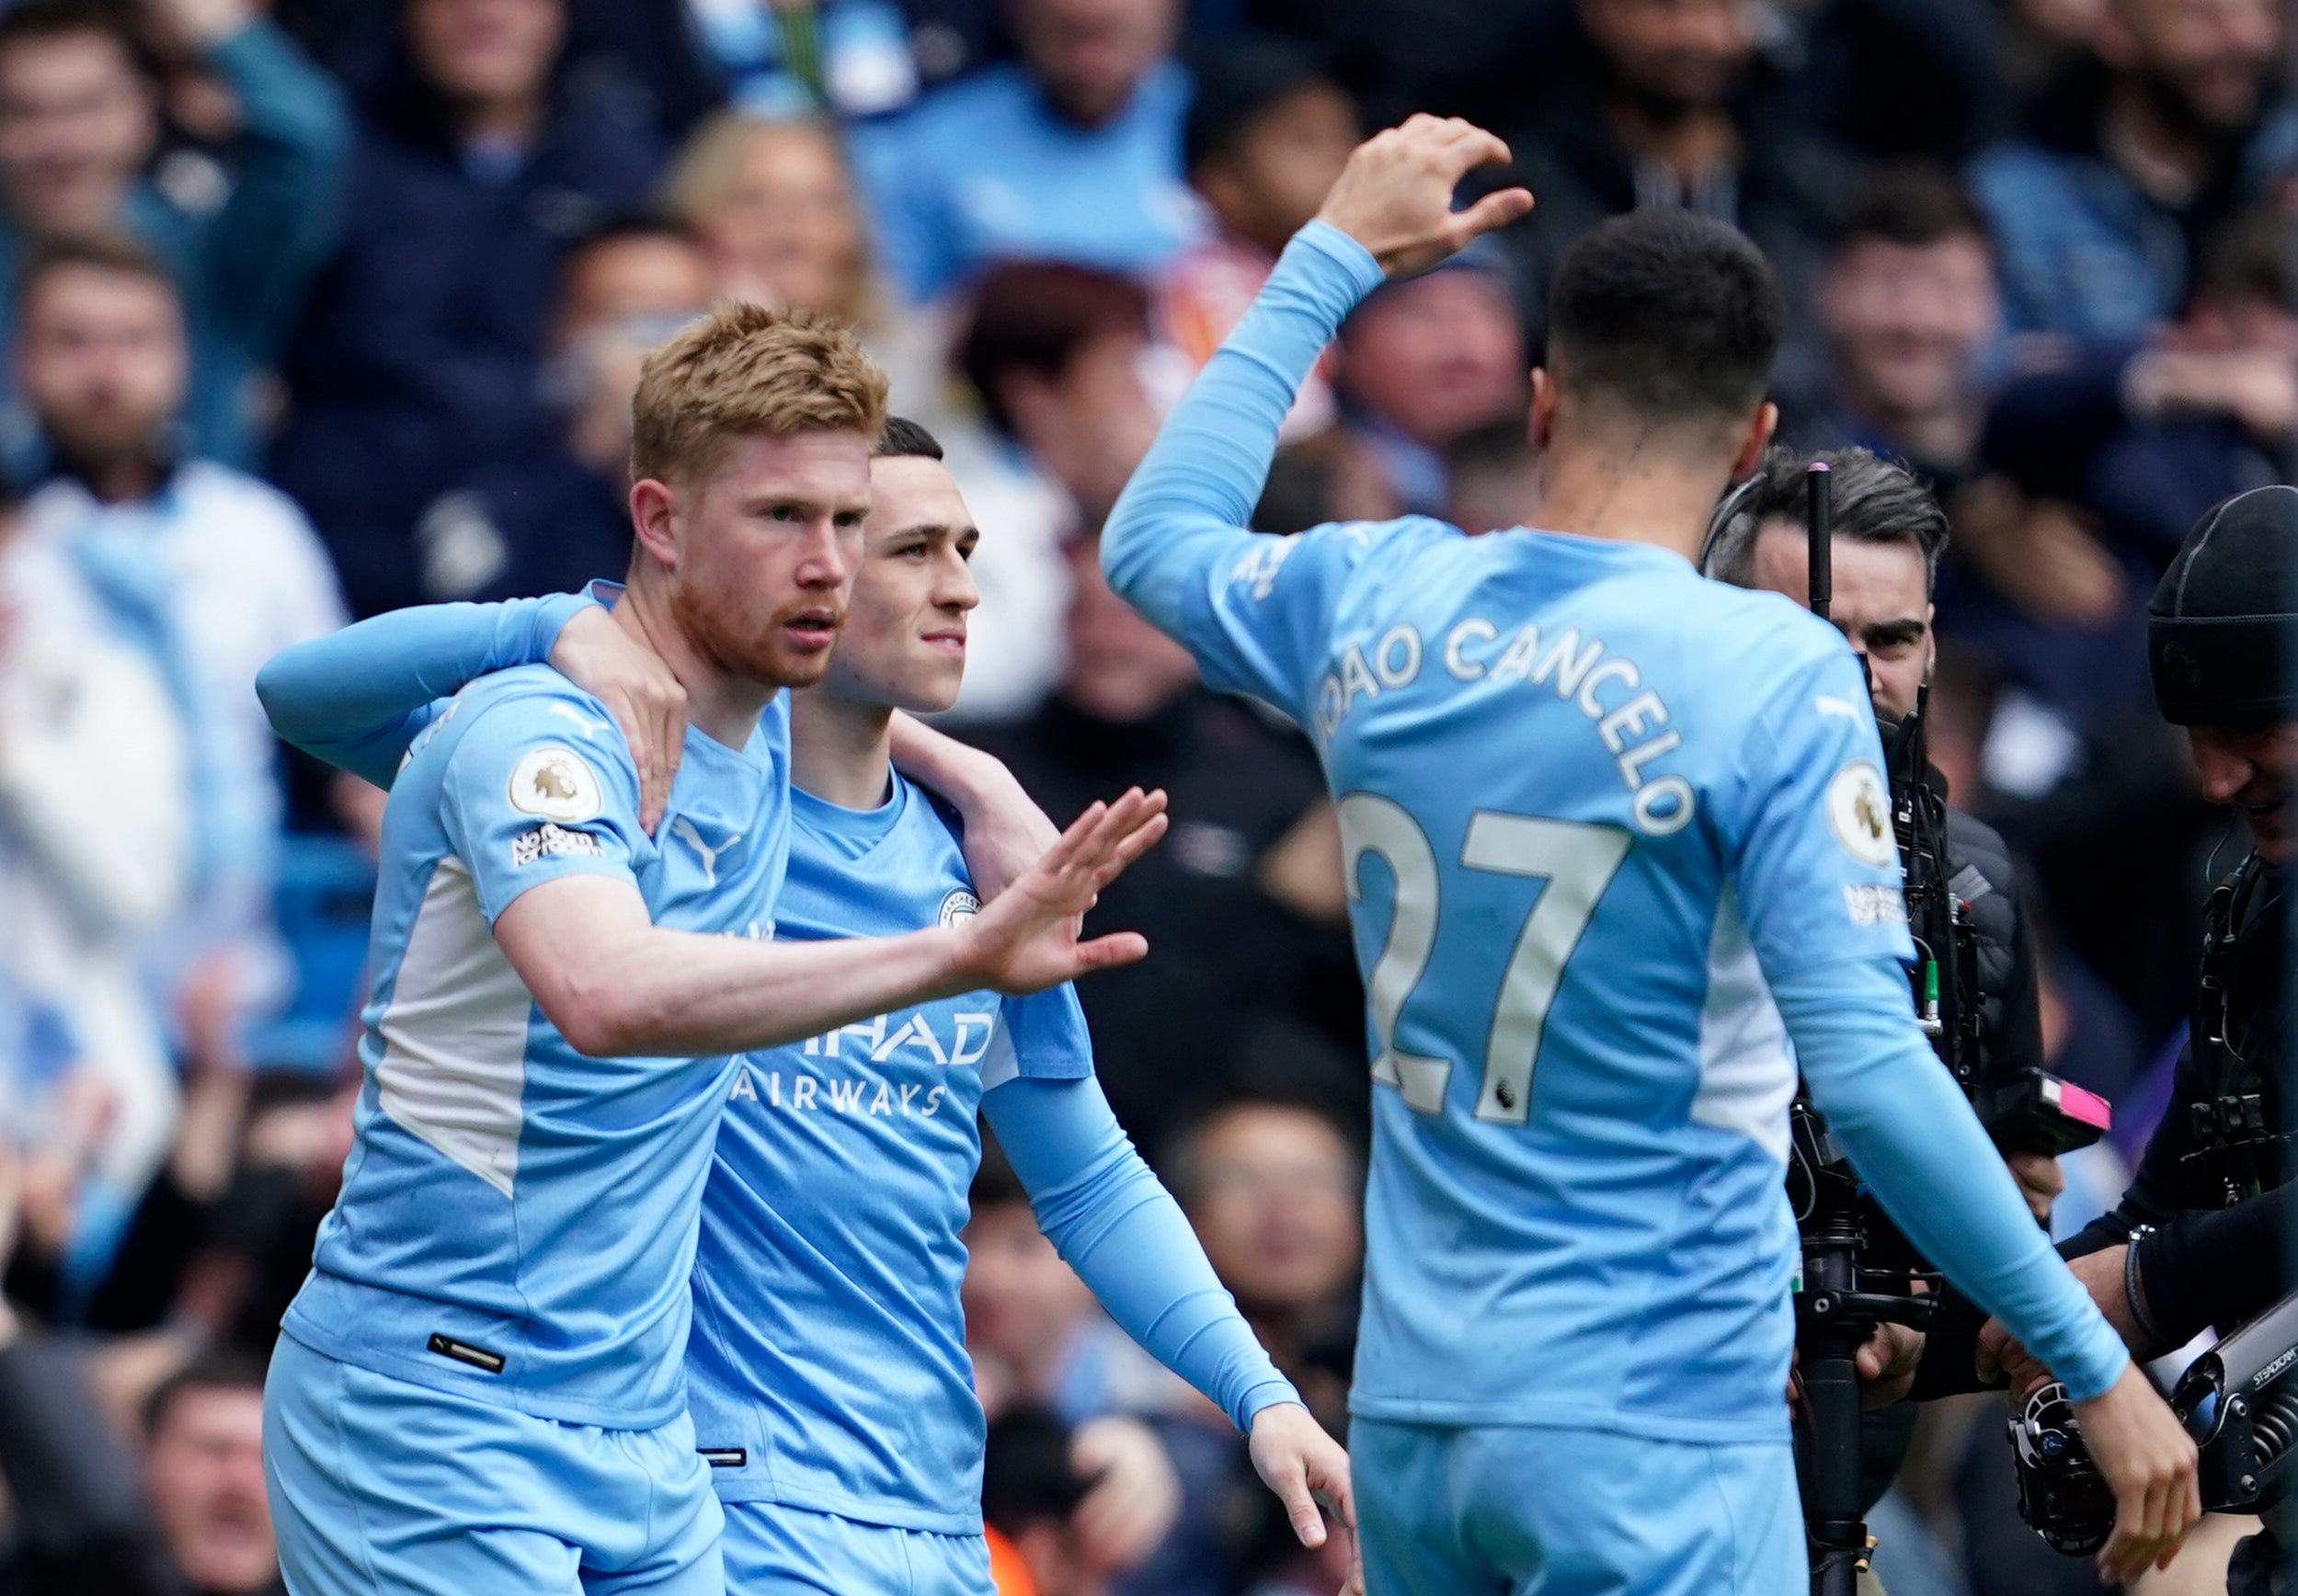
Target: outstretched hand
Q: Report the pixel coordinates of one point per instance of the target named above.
(1025, 939)
(1305, 1467)
(1395, 195)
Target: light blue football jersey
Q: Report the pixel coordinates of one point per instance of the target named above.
(828, 1368)
(516, 1220)
(1582, 790)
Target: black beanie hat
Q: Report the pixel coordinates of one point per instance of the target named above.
(2222, 633)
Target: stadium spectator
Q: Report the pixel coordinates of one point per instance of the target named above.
(90, 745)
(2091, 476)
(1073, 153)
(203, 1472)
(1668, 102)
(1032, 1492)
(1909, 308)
(1423, 362)
(553, 520)
(79, 121)
(1062, 361)
(1275, 1192)
(1152, 1451)
(774, 203)
(2131, 156)
(1060, 358)
(1266, 134)
(419, 359)
(2098, 468)
(205, 570)
(1236, 938)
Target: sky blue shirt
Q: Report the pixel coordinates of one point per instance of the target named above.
(829, 1359)
(985, 170)
(829, 1367)
(516, 1220)
(1594, 809)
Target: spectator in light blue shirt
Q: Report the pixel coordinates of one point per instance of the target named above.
(1073, 153)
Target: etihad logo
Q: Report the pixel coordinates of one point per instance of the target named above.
(968, 1041)
(802, 1093)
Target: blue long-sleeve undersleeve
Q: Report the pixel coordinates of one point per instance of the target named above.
(1115, 1223)
(1180, 514)
(357, 697)
(1913, 1137)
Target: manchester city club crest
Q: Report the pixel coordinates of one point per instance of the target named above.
(959, 906)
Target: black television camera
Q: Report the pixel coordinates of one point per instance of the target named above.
(2239, 1401)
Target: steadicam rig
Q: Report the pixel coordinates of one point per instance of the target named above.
(2239, 1401)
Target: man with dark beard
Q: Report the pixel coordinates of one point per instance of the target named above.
(2131, 158)
(203, 568)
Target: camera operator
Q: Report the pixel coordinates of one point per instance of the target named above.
(2203, 1235)
(1888, 534)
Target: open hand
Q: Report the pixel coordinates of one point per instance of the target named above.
(1025, 939)
(1301, 1463)
(645, 701)
(1395, 195)
(2150, 1462)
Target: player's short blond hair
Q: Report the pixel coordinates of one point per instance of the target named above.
(743, 370)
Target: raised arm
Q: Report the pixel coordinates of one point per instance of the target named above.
(359, 697)
(1178, 530)
(1117, 1226)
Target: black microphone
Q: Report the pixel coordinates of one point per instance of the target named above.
(1821, 483)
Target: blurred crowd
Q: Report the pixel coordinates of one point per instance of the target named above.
(323, 309)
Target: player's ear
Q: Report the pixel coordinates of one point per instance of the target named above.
(654, 506)
(1543, 418)
(1758, 438)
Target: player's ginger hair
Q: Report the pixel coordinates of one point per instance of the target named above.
(745, 369)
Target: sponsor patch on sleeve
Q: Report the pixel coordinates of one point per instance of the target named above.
(1859, 811)
(1875, 905)
(556, 783)
(549, 841)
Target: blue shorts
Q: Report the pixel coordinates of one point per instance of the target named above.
(383, 1488)
(773, 1550)
(1530, 1511)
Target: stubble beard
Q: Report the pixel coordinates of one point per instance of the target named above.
(751, 650)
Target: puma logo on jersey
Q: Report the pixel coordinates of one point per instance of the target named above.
(588, 727)
(684, 829)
